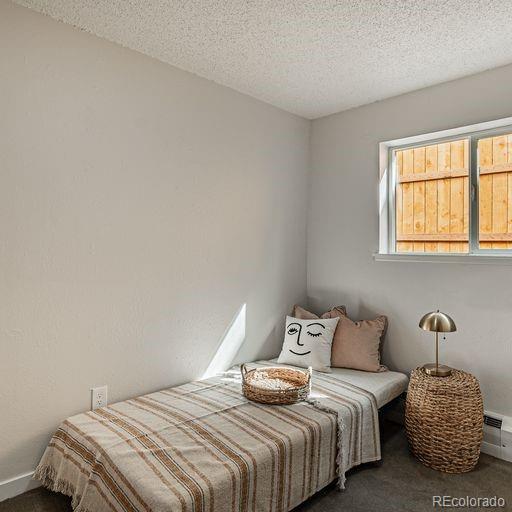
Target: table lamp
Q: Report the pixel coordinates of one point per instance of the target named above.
(437, 322)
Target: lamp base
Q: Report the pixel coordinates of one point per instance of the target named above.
(440, 371)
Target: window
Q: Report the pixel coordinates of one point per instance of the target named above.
(450, 194)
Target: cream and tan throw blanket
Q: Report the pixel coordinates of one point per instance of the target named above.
(203, 447)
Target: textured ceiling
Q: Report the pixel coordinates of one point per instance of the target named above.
(312, 57)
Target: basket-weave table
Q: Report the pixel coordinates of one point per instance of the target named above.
(444, 420)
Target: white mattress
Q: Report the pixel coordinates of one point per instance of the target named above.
(384, 385)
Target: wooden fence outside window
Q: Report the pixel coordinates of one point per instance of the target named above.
(432, 196)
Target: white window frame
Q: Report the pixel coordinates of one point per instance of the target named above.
(387, 187)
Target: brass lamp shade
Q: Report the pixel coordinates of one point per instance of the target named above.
(437, 322)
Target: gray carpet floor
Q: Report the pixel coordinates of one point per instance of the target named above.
(398, 483)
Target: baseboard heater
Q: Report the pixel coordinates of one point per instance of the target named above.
(497, 435)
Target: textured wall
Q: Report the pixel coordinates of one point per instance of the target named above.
(343, 234)
(140, 208)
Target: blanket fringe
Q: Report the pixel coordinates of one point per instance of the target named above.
(48, 477)
(341, 427)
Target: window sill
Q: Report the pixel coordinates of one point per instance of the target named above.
(471, 259)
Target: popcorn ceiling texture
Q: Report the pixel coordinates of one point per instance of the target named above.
(310, 58)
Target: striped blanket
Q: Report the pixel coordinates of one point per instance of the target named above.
(203, 447)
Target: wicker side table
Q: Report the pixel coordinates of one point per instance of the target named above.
(444, 420)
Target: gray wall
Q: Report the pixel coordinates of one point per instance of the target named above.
(140, 208)
(343, 234)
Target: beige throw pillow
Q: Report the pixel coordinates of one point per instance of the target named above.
(304, 314)
(356, 344)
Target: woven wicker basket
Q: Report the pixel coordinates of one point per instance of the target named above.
(444, 420)
(301, 382)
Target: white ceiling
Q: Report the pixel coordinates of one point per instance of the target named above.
(310, 57)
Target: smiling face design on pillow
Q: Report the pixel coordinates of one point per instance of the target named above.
(308, 342)
(303, 335)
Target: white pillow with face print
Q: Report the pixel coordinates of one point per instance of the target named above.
(308, 343)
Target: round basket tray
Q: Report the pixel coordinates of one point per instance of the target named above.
(300, 382)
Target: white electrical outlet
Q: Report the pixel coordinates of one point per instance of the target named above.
(98, 397)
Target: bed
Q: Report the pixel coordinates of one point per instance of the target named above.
(203, 447)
